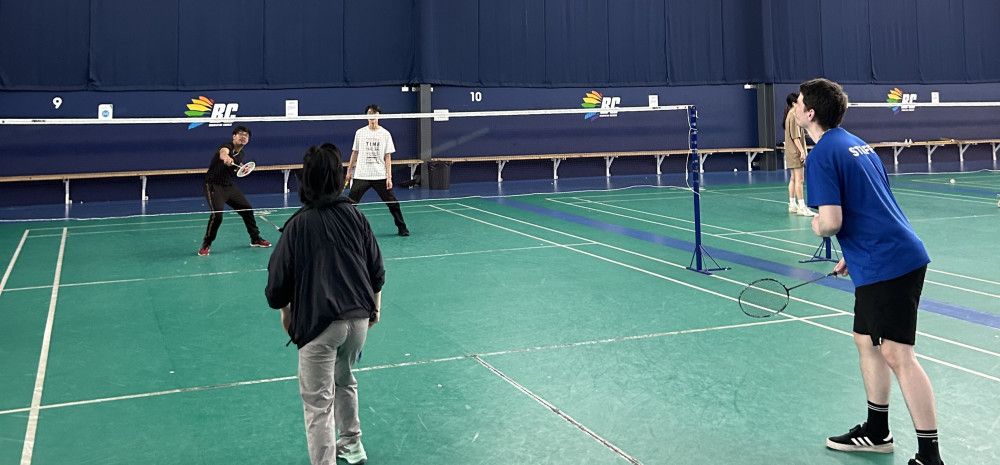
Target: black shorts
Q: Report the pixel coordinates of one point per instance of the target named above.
(888, 309)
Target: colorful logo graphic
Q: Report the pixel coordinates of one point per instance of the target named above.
(896, 95)
(594, 99)
(202, 106)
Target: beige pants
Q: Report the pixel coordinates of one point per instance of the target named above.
(329, 390)
(792, 159)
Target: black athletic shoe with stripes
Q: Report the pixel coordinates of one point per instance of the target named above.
(858, 440)
(918, 460)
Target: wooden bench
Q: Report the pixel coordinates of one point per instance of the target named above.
(933, 145)
(144, 175)
(609, 158)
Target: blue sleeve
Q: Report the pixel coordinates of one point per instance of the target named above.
(822, 180)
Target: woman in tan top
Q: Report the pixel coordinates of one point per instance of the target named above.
(795, 156)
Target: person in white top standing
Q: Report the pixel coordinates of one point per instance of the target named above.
(371, 167)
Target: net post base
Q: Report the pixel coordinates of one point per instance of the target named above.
(823, 253)
(698, 262)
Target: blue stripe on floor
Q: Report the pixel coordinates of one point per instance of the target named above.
(949, 310)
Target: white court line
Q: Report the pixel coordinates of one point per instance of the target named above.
(948, 218)
(200, 224)
(625, 265)
(635, 196)
(582, 191)
(632, 199)
(512, 249)
(961, 181)
(136, 280)
(556, 410)
(966, 277)
(947, 197)
(135, 223)
(762, 232)
(220, 273)
(13, 259)
(126, 231)
(715, 276)
(973, 291)
(43, 361)
(666, 225)
(732, 230)
(937, 283)
(409, 364)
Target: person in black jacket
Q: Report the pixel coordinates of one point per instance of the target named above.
(326, 276)
(221, 191)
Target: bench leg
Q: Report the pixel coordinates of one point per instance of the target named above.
(701, 162)
(555, 167)
(143, 197)
(995, 146)
(500, 165)
(607, 166)
(659, 161)
(285, 173)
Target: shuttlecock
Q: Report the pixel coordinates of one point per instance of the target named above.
(951, 181)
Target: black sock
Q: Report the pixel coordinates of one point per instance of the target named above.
(927, 445)
(878, 420)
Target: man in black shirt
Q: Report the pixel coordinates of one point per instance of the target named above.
(326, 276)
(221, 191)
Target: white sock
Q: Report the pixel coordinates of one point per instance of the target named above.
(802, 203)
(791, 201)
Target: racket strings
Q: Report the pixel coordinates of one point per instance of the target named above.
(763, 298)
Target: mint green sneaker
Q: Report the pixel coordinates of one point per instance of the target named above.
(353, 453)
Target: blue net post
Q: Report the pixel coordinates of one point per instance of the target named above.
(823, 253)
(700, 253)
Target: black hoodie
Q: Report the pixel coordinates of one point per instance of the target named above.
(328, 265)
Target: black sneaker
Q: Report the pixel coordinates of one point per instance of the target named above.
(918, 460)
(857, 440)
(404, 232)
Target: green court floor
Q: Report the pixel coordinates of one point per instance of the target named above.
(543, 329)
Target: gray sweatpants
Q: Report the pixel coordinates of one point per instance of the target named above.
(329, 390)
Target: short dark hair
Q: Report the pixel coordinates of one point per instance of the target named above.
(827, 99)
(322, 176)
(239, 129)
(374, 108)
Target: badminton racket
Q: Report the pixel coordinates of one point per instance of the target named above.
(244, 169)
(262, 214)
(767, 297)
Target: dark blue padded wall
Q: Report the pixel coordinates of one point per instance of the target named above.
(726, 119)
(95, 148)
(886, 124)
(253, 44)
(50, 149)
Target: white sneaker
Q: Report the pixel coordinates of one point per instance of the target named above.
(353, 453)
(792, 208)
(804, 211)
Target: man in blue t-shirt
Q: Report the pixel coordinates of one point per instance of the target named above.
(849, 186)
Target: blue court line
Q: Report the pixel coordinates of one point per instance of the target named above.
(974, 191)
(949, 310)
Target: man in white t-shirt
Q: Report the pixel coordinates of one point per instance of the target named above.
(372, 155)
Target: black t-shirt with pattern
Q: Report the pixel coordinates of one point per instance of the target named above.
(218, 172)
